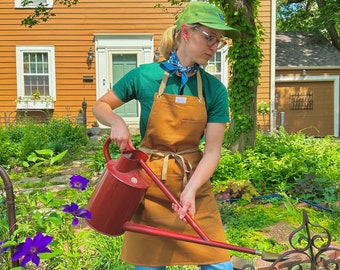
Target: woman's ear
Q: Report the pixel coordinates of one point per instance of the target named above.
(185, 32)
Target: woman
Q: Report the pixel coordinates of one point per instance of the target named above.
(180, 103)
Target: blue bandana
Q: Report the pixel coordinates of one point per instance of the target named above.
(173, 65)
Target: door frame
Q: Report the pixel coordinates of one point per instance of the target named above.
(106, 44)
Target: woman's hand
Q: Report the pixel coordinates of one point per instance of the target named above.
(120, 135)
(187, 201)
(103, 110)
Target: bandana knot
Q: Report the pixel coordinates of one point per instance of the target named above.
(173, 65)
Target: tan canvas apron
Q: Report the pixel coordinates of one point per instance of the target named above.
(173, 133)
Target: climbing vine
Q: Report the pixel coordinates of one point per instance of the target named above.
(245, 58)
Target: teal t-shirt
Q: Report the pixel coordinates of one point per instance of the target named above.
(141, 84)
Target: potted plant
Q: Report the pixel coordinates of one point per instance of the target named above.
(80, 117)
(263, 108)
(95, 129)
(35, 101)
(95, 124)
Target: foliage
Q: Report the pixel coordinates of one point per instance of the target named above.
(317, 16)
(247, 226)
(73, 247)
(19, 140)
(227, 190)
(263, 107)
(315, 189)
(43, 157)
(277, 162)
(42, 13)
(282, 163)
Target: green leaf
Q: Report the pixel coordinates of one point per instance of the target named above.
(58, 157)
(45, 152)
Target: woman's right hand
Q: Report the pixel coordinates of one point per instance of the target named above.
(120, 135)
(103, 110)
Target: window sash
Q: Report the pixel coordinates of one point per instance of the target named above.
(33, 4)
(35, 71)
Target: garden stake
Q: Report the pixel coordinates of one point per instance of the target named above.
(10, 202)
(122, 188)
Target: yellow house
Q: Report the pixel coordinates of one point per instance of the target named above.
(80, 53)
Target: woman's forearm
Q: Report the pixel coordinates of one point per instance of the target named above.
(104, 114)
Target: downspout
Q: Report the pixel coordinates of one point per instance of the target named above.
(10, 208)
(272, 66)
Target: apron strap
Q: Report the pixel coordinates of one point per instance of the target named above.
(199, 85)
(166, 155)
(163, 84)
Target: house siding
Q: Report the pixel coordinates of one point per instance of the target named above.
(72, 32)
(263, 91)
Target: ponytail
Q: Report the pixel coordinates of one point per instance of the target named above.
(169, 41)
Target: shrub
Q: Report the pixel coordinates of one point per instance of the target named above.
(281, 162)
(20, 139)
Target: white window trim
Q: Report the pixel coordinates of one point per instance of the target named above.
(48, 3)
(20, 50)
(224, 67)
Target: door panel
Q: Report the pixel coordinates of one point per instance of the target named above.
(122, 64)
(308, 107)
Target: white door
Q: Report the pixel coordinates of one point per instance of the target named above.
(116, 54)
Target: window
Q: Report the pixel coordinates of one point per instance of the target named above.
(218, 66)
(35, 77)
(33, 3)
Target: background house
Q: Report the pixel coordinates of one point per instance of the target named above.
(307, 84)
(52, 57)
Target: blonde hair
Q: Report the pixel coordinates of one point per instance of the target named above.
(169, 41)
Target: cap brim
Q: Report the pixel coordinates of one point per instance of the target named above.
(229, 31)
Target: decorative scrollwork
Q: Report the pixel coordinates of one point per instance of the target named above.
(311, 249)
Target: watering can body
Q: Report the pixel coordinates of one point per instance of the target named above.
(119, 193)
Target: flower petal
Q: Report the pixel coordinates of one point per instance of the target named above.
(83, 213)
(75, 221)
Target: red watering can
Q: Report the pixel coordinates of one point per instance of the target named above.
(121, 190)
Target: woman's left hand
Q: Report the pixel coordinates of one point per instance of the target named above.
(187, 201)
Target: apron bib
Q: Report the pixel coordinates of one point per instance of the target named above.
(175, 127)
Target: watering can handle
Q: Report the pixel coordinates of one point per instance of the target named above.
(129, 147)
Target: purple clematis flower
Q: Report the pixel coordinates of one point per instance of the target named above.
(74, 210)
(31, 248)
(78, 182)
(4, 249)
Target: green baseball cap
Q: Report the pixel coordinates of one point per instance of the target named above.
(207, 15)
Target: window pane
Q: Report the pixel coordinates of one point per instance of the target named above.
(32, 68)
(33, 83)
(26, 67)
(214, 65)
(40, 68)
(45, 67)
(36, 75)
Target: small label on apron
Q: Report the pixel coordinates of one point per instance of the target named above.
(182, 100)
